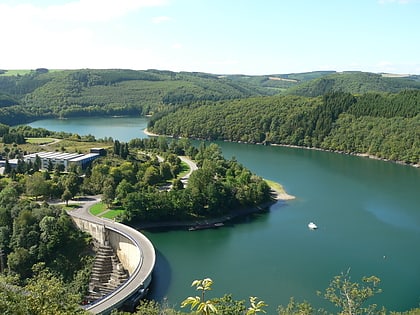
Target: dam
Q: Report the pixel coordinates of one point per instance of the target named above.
(134, 251)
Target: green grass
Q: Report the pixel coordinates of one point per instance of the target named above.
(22, 72)
(112, 214)
(40, 140)
(15, 72)
(276, 186)
(97, 208)
(71, 207)
(102, 210)
(184, 169)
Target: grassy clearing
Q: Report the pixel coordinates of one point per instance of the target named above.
(15, 72)
(184, 169)
(40, 140)
(68, 145)
(112, 214)
(76, 146)
(276, 186)
(22, 72)
(97, 208)
(71, 207)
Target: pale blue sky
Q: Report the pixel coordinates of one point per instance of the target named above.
(215, 36)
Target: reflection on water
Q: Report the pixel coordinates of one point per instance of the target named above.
(394, 216)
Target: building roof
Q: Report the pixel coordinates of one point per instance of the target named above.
(84, 156)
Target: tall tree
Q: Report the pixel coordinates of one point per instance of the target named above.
(350, 297)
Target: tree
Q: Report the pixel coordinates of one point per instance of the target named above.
(37, 164)
(177, 184)
(9, 196)
(20, 261)
(36, 185)
(295, 308)
(7, 167)
(151, 176)
(71, 183)
(256, 306)
(123, 189)
(165, 170)
(50, 166)
(12, 299)
(4, 129)
(66, 196)
(108, 191)
(203, 306)
(47, 294)
(350, 297)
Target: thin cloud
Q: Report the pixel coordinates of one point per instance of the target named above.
(66, 35)
(396, 1)
(78, 11)
(98, 10)
(176, 46)
(161, 19)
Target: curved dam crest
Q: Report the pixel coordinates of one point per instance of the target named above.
(134, 250)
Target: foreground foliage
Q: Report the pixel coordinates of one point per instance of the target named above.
(44, 294)
(350, 298)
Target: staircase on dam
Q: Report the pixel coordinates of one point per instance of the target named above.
(107, 274)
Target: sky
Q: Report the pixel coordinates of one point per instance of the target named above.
(253, 37)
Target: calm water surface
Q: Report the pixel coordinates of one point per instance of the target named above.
(367, 212)
(119, 128)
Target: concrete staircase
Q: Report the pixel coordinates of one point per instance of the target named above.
(107, 274)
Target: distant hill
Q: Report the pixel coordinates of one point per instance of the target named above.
(279, 82)
(26, 95)
(384, 125)
(354, 83)
(68, 93)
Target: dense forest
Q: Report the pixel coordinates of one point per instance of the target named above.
(351, 112)
(384, 125)
(354, 83)
(57, 94)
(44, 93)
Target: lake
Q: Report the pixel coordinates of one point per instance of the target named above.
(367, 212)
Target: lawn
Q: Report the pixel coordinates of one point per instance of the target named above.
(113, 213)
(40, 140)
(184, 169)
(15, 72)
(98, 208)
(276, 186)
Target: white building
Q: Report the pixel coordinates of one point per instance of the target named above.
(65, 159)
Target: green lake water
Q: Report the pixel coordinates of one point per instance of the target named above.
(367, 212)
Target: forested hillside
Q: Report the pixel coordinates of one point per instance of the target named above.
(355, 83)
(355, 112)
(380, 124)
(279, 82)
(42, 93)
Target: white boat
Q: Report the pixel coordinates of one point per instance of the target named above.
(312, 226)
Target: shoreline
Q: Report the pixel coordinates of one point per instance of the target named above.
(204, 223)
(363, 155)
(277, 189)
(277, 192)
